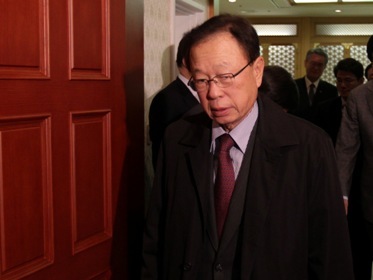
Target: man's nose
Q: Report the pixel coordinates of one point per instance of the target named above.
(214, 91)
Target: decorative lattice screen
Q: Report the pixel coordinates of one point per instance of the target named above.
(360, 53)
(335, 54)
(282, 55)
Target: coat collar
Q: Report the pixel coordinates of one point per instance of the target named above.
(274, 130)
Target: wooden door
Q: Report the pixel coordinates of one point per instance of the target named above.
(63, 136)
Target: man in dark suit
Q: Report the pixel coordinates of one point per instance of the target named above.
(284, 217)
(171, 102)
(355, 138)
(313, 90)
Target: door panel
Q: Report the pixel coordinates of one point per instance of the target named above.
(26, 195)
(63, 139)
(24, 51)
(89, 51)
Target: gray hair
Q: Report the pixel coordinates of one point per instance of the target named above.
(318, 51)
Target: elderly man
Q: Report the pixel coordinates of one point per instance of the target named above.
(243, 189)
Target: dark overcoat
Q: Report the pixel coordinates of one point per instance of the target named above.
(286, 219)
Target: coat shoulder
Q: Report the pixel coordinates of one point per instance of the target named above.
(276, 125)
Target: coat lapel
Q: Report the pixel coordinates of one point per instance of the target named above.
(237, 203)
(274, 136)
(261, 186)
(204, 186)
(201, 162)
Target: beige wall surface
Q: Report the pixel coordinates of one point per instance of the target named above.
(157, 61)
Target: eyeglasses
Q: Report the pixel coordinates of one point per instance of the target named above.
(221, 80)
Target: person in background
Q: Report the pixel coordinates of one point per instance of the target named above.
(369, 72)
(172, 102)
(243, 190)
(279, 85)
(312, 89)
(355, 138)
(349, 74)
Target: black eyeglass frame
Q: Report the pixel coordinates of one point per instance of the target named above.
(207, 81)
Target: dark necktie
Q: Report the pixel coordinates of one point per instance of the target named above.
(311, 93)
(224, 181)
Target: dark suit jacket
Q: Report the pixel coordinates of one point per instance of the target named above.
(324, 92)
(328, 115)
(286, 218)
(168, 106)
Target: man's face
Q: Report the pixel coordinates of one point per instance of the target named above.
(315, 65)
(221, 54)
(346, 81)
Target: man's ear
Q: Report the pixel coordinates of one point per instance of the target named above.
(258, 68)
(361, 80)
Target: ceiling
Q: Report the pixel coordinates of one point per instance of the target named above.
(282, 8)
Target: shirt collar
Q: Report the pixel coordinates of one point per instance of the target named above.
(185, 81)
(308, 82)
(241, 133)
